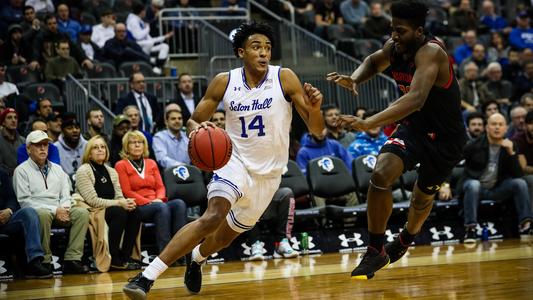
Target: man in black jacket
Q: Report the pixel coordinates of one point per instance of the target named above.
(16, 221)
(185, 97)
(492, 171)
(119, 49)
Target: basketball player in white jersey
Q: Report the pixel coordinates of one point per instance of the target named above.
(257, 99)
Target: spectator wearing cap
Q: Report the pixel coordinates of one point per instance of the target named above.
(121, 125)
(10, 140)
(92, 51)
(63, 64)
(67, 25)
(54, 121)
(105, 30)
(521, 36)
(119, 49)
(53, 152)
(44, 186)
(15, 51)
(171, 145)
(70, 144)
(95, 122)
(524, 141)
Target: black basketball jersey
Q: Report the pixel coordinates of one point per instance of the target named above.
(441, 116)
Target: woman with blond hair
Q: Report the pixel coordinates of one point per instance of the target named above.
(140, 179)
(99, 186)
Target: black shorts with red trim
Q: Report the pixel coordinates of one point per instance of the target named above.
(436, 157)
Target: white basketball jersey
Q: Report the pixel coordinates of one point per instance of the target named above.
(258, 121)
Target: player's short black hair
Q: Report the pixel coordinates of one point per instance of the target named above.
(474, 115)
(414, 11)
(250, 28)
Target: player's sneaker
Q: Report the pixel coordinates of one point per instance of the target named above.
(470, 235)
(372, 261)
(257, 251)
(193, 276)
(284, 250)
(526, 232)
(138, 287)
(395, 249)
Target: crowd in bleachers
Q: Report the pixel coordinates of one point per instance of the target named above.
(55, 175)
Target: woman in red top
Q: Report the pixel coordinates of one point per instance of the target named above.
(140, 179)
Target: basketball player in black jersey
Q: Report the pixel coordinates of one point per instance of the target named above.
(430, 128)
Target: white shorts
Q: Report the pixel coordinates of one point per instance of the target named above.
(249, 194)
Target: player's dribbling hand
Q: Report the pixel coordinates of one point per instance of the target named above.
(204, 125)
(314, 95)
(353, 122)
(343, 80)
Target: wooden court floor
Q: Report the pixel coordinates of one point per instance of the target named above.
(494, 270)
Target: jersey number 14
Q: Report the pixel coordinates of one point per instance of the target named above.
(255, 124)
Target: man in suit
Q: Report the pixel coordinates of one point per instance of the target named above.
(147, 103)
(186, 98)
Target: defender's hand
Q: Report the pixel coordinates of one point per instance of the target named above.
(352, 122)
(343, 80)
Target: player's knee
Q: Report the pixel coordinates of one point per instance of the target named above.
(382, 178)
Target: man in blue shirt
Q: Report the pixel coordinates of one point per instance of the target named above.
(521, 37)
(490, 18)
(367, 142)
(465, 50)
(170, 145)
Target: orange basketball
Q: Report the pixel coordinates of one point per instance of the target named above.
(210, 149)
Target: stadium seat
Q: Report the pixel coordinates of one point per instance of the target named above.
(103, 70)
(36, 91)
(328, 177)
(362, 168)
(127, 68)
(21, 75)
(185, 182)
(294, 179)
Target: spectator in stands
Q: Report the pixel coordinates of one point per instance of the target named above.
(140, 31)
(232, 6)
(377, 26)
(119, 49)
(524, 141)
(91, 50)
(10, 140)
(70, 144)
(105, 30)
(15, 51)
(490, 107)
(329, 22)
(526, 101)
(10, 14)
(153, 12)
(278, 218)
(44, 186)
(463, 18)
(478, 57)
(185, 97)
(97, 8)
(133, 114)
(7, 89)
(354, 12)
(331, 115)
(524, 82)
(520, 36)
(147, 103)
(23, 223)
(475, 125)
(513, 68)
(59, 67)
(219, 118)
(42, 6)
(171, 145)
(121, 125)
(53, 122)
(140, 179)
(304, 11)
(31, 25)
(492, 171)
(43, 110)
(518, 121)
(359, 111)
(44, 45)
(471, 93)
(498, 49)
(318, 146)
(465, 50)
(497, 88)
(53, 152)
(368, 142)
(67, 25)
(99, 187)
(490, 19)
(95, 123)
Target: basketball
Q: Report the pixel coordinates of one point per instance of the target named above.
(210, 149)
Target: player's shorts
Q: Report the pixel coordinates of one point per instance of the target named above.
(249, 194)
(437, 157)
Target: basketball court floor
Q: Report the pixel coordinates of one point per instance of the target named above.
(490, 270)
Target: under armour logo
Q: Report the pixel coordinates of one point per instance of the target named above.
(296, 244)
(248, 250)
(235, 88)
(55, 262)
(326, 164)
(390, 236)
(147, 258)
(182, 172)
(345, 241)
(490, 228)
(2, 269)
(437, 234)
(370, 161)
